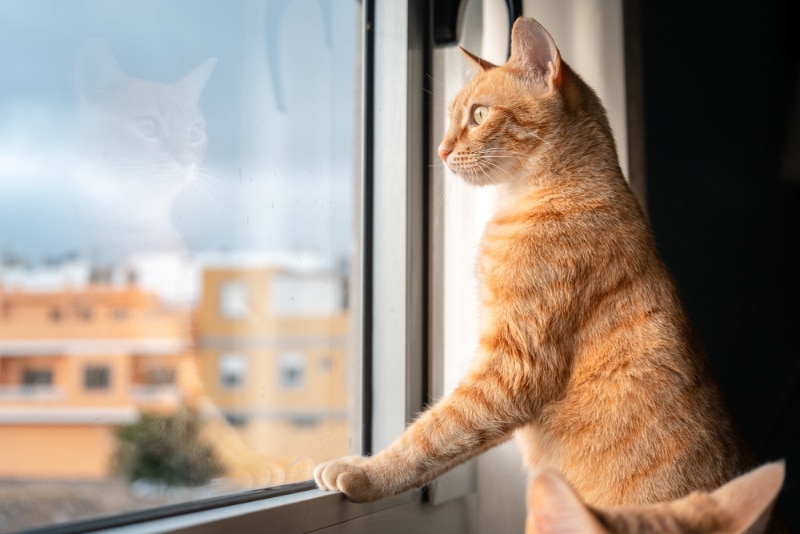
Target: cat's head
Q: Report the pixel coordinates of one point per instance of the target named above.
(503, 121)
(743, 505)
(140, 129)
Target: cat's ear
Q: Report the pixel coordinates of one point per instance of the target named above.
(193, 83)
(95, 71)
(750, 497)
(534, 53)
(554, 507)
(475, 63)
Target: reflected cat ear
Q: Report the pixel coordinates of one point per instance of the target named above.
(554, 507)
(193, 83)
(534, 52)
(95, 71)
(475, 63)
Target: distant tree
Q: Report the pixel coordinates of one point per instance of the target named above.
(167, 449)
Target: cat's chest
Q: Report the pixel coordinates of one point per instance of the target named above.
(509, 255)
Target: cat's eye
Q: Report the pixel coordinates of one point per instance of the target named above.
(479, 114)
(148, 126)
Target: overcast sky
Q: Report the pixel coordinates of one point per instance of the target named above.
(280, 108)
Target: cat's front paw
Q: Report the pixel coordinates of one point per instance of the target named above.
(349, 476)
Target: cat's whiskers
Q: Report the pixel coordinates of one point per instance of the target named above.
(489, 168)
(203, 181)
(444, 191)
(154, 173)
(436, 81)
(442, 175)
(487, 160)
(545, 142)
(503, 152)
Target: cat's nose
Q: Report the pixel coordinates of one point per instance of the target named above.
(444, 150)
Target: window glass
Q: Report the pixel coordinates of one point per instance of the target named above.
(292, 368)
(96, 377)
(300, 294)
(232, 371)
(37, 377)
(233, 299)
(177, 185)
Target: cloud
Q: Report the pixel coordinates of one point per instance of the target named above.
(15, 164)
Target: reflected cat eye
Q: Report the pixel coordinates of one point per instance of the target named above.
(196, 133)
(148, 126)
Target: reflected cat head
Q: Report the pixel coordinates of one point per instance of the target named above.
(149, 130)
(141, 143)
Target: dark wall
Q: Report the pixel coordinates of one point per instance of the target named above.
(719, 83)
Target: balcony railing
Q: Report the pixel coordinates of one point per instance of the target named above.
(31, 393)
(145, 393)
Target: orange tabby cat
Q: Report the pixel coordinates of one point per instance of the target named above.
(585, 350)
(740, 506)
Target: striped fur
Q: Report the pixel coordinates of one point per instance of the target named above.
(585, 351)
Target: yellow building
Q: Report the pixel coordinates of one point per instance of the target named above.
(272, 353)
(77, 363)
(263, 355)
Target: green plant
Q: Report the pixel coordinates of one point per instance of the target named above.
(167, 449)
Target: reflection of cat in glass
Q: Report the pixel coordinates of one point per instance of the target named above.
(144, 141)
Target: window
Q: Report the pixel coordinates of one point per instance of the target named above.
(160, 375)
(233, 299)
(181, 225)
(315, 294)
(232, 371)
(325, 364)
(292, 370)
(37, 377)
(97, 377)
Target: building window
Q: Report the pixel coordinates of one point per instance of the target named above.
(317, 294)
(37, 377)
(233, 299)
(237, 419)
(326, 364)
(160, 375)
(292, 370)
(96, 377)
(232, 371)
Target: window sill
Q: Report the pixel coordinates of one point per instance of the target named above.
(305, 511)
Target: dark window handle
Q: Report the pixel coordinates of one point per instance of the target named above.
(447, 16)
